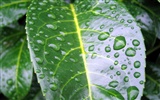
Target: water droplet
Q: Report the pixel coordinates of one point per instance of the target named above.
(102, 26)
(107, 49)
(61, 16)
(60, 38)
(113, 84)
(137, 74)
(94, 55)
(9, 81)
(39, 60)
(76, 79)
(116, 55)
(98, 10)
(116, 62)
(122, 20)
(41, 76)
(119, 43)
(72, 59)
(52, 26)
(132, 93)
(111, 30)
(112, 7)
(38, 70)
(124, 67)
(30, 22)
(87, 23)
(91, 48)
(126, 78)
(54, 46)
(103, 36)
(130, 52)
(51, 16)
(129, 21)
(111, 67)
(135, 42)
(141, 82)
(53, 86)
(40, 42)
(118, 73)
(107, 1)
(137, 64)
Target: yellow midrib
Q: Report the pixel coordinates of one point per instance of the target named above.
(82, 48)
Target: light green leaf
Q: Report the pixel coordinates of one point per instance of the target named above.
(86, 50)
(11, 10)
(16, 67)
(152, 85)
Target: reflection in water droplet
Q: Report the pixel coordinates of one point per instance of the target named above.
(54, 46)
(137, 64)
(123, 67)
(41, 76)
(132, 93)
(91, 48)
(118, 73)
(113, 84)
(122, 20)
(52, 26)
(102, 26)
(111, 67)
(137, 74)
(130, 52)
(53, 86)
(9, 81)
(103, 36)
(126, 79)
(135, 42)
(129, 21)
(119, 43)
(107, 49)
(111, 30)
(116, 62)
(116, 55)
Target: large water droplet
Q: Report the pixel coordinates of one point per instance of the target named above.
(113, 84)
(116, 55)
(107, 49)
(123, 67)
(135, 42)
(119, 43)
(137, 74)
(137, 64)
(126, 78)
(53, 86)
(91, 48)
(52, 26)
(103, 36)
(9, 81)
(130, 52)
(132, 93)
(54, 46)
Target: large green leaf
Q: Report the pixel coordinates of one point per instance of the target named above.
(86, 50)
(152, 86)
(16, 67)
(11, 10)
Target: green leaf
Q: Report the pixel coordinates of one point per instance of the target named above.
(152, 85)
(11, 10)
(77, 47)
(16, 67)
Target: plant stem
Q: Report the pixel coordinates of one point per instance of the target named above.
(152, 50)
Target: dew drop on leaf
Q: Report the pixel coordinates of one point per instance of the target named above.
(91, 48)
(118, 73)
(54, 27)
(52, 16)
(119, 43)
(107, 49)
(94, 55)
(116, 55)
(102, 26)
(137, 74)
(122, 20)
(39, 60)
(137, 64)
(112, 7)
(9, 81)
(53, 86)
(116, 62)
(126, 79)
(41, 76)
(130, 52)
(132, 92)
(135, 42)
(111, 30)
(113, 84)
(107, 1)
(38, 70)
(129, 21)
(54, 46)
(111, 67)
(103, 36)
(40, 42)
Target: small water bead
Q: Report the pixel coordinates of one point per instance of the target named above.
(36, 49)
(116, 62)
(111, 67)
(9, 81)
(119, 43)
(124, 67)
(130, 52)
(118, 73)
(113, 84)
(91, 48)
(60, 38)
(122, 20)
(129, 21)
(76, 79)
(137, 74)
(103, 36)
(141, 82)
(41, 76)
(107, 1)
(53, 86)
(126, 79)
(54, 46)
(111, 30)
(39, 60)
(38, 70)
(87, 23)
(135, 42)
(51, 16)
(94, 55)
(98, 10)
(51, 26)
(40, 42)
(30, 22)
(102, 26)
(112, 7)
(132, 93)
(137, 64)
(107, 49)
(116, 55)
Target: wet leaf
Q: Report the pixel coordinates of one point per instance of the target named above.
(16, 67)
(79, 46)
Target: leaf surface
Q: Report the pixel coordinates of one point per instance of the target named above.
(86, 50)
(11, 10)
(16, 68)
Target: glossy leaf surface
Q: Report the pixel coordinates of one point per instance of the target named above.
(11, 10)
(86, 50)
(16, 67)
